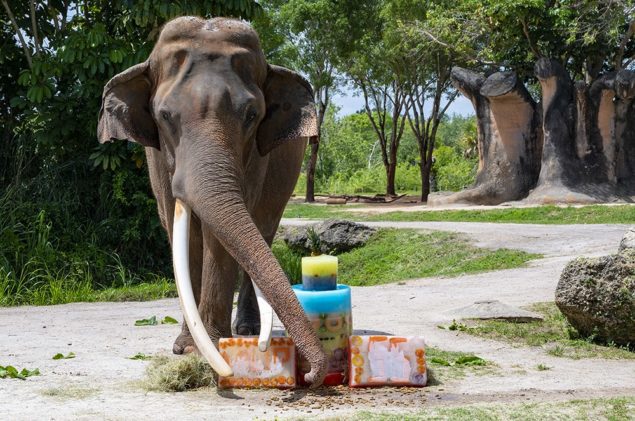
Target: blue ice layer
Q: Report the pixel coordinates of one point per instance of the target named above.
(333, 301)
(319, 283)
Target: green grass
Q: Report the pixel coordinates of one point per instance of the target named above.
(49, 291)
(444, 366)
(396, 254)
(554, 334)
(593, 214)
(619, 408)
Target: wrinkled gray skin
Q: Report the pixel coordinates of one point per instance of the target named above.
(225, 133)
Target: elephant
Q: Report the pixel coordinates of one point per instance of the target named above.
(224, 134)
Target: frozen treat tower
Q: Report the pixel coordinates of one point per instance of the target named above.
(328, 308)
(356, 360)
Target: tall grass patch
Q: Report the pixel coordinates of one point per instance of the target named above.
(393, 255)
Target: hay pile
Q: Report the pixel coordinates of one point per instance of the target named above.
(178, 374)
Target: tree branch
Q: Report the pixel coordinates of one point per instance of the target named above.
(532, 47)
(36, 38)
(25, 47)
(620, 52)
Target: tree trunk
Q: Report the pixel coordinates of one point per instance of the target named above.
(391, 171)
(310, 172)
(426, 169)
(509, 140)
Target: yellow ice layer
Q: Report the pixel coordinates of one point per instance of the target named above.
(319, 266)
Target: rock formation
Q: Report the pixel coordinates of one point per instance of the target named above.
(509, 140)
(576, 146)
(597, 295)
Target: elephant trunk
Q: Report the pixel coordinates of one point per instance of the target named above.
(218, 202)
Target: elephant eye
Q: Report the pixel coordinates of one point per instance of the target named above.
(250, 117)
(165, 115)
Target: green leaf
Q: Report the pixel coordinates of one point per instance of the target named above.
(167, 320)
(152, 321)
(28, 373)
(140, 356)
(60, 356)
(13, 373)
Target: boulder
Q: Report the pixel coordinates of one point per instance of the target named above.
(597, 295)
(628, 241)
(334, 236)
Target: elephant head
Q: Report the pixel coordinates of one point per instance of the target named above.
(207, 99)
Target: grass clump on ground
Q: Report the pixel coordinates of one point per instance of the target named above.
(177, 374)
(619, 408)
(396, 254)
(554, 334)
(448, 365)
(69, 392)
(593, 214)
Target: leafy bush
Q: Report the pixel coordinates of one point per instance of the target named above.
(452, 171)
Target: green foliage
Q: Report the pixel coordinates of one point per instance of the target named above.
(76, 216)
(60, 356)
(290, 261)
(151, 321)
(13, 373)
(393, 255)
(350, 158)
(465, 360)
(452, 171)
(167, 320)
(140, 356)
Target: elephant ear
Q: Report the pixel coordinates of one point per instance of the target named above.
(290, 110)
(125, 108)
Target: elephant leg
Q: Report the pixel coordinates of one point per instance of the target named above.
(219, 275)
(247, 320)
(184, 342)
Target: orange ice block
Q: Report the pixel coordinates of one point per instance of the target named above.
(387, 361)
(254, 368)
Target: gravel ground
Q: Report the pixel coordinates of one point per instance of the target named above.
(101, 383)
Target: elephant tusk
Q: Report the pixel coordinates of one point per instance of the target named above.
(266, 320)
(180, 255)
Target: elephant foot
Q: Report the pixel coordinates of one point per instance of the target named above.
(246, 327)
(184, 344)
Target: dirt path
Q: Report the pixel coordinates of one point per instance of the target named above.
(100, 381)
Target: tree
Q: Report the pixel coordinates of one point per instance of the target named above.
(427, 68)
(379, 72)
(311, 27)
(56, 57)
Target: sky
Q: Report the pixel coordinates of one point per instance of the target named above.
(350, 103)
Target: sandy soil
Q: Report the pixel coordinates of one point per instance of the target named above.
(100, 383)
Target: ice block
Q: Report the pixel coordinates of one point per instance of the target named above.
(319, 273)
(330, 315)
(253, 368)
(387, 361)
